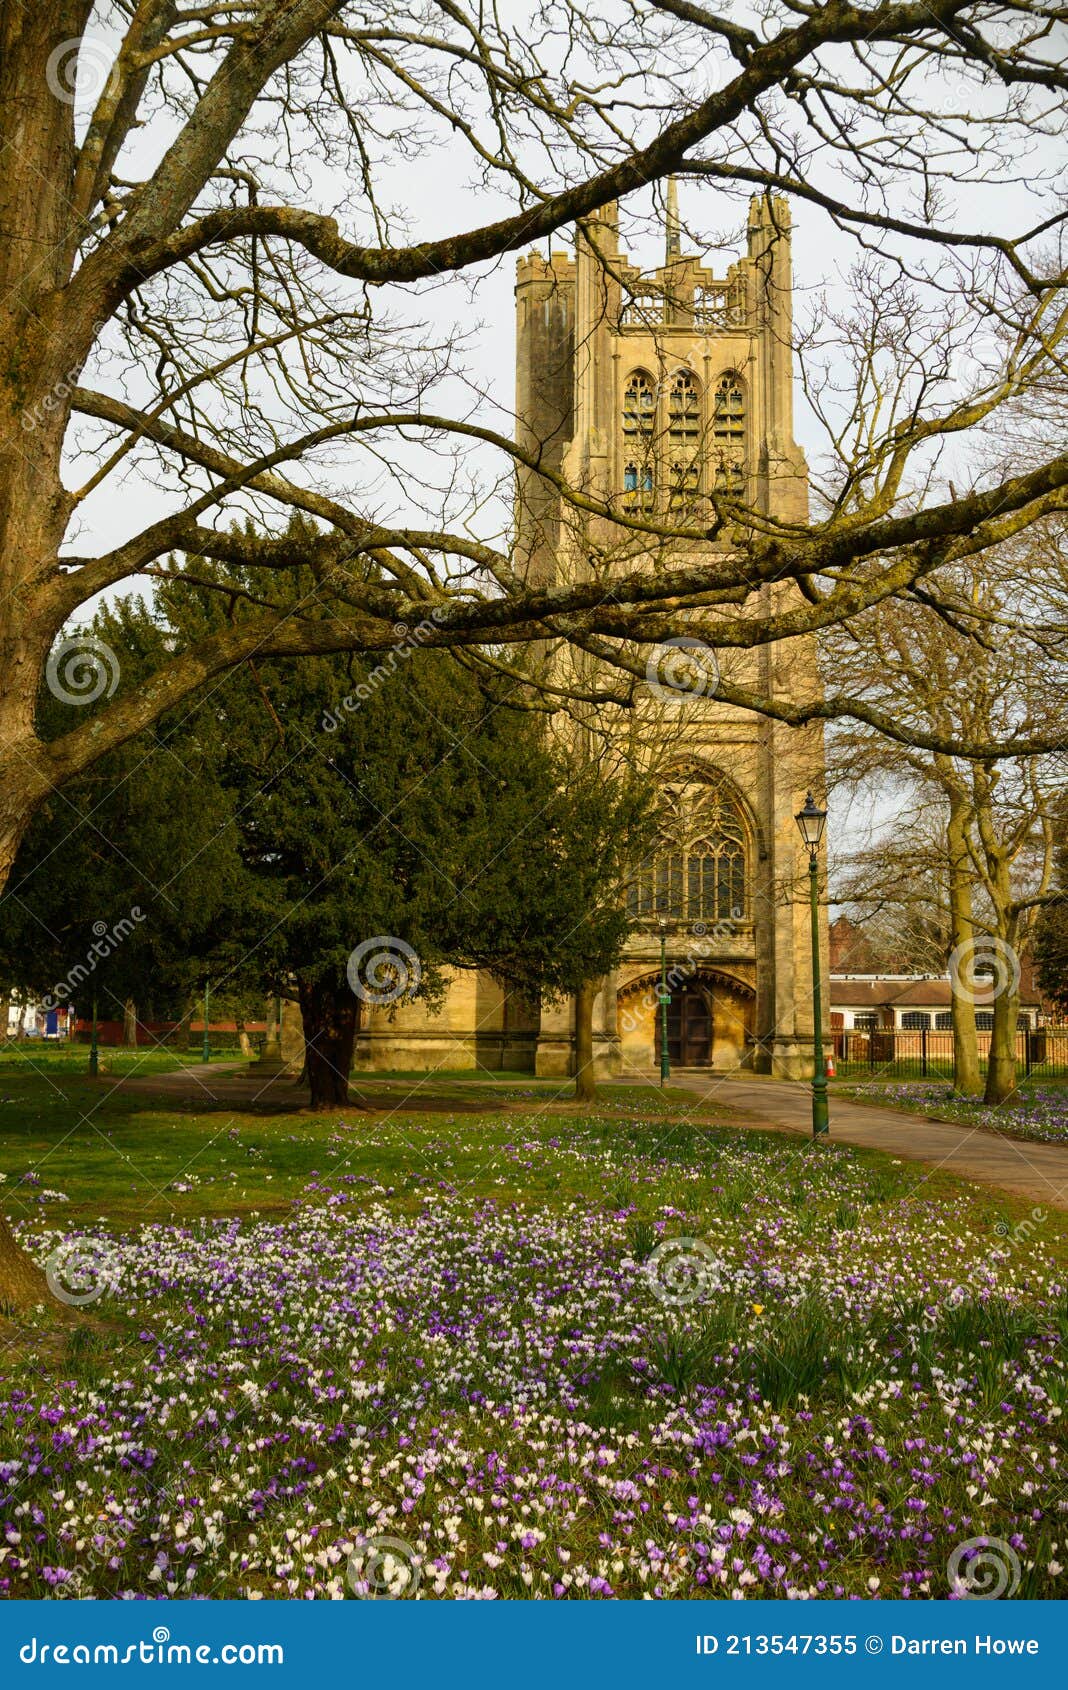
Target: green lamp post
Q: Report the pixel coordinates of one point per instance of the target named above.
(94, 1043)
(810, 821)
(665, 999)
(207, 1034)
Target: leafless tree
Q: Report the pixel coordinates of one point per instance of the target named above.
(976, 666)
(208, 258)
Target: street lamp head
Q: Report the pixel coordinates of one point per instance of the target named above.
(810, 821)
(662, 924)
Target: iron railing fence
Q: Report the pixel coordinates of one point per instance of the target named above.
(922, 1053)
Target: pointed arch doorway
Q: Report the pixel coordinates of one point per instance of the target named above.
(689, 1027)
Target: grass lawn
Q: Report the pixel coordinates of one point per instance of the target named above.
(1039, 1111)
(39, 1056)
(512, 1349)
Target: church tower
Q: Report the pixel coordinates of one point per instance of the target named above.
(656, 392)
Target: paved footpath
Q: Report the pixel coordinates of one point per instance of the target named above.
(1038, 1172)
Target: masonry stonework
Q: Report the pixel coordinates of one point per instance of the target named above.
(658, 393)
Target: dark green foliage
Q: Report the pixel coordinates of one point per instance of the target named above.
(395, 795)
(641, 1238)
(122, 883)
(299, 807)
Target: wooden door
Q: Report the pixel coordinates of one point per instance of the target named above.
(689, 1029)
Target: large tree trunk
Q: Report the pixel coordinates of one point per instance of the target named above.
(39, 367)
(45, 341)
(129, 1024)
(585, 1079)
(272, 1043)
(180, 1034)
(329, 1013)
(1001, 1063)
(966, 1076)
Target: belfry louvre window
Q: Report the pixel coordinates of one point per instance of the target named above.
(684, 480)
(639, 406)
(633, 478)
(699, 871)
(684, 408)
(684, 434)
(728, 435)
(639, 425)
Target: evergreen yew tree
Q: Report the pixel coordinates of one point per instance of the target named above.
(120, 889)
(304, 808)
(405, 804)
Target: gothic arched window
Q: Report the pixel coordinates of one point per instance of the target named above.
(684, 480)
(699, 871)
(633, 478)
(684, 435)
(639, 405)
(684, 407)
(728, 435)
(639, 428)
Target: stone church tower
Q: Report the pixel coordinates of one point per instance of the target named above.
(654, 392)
